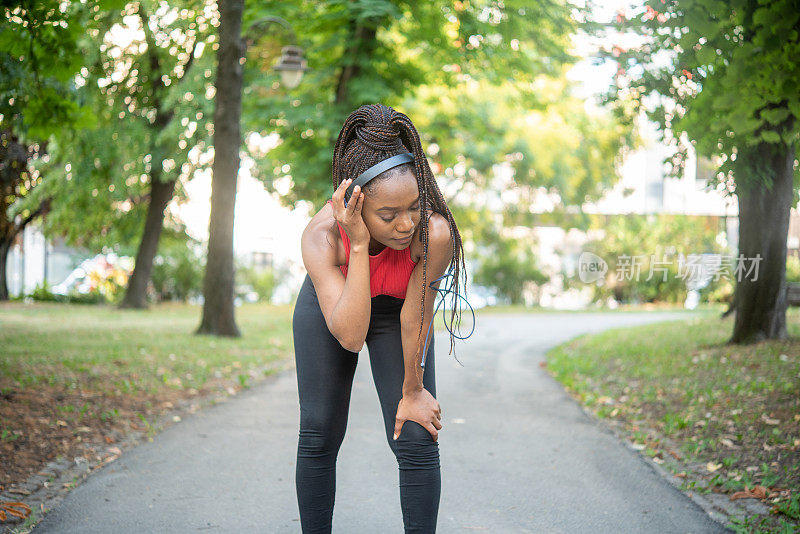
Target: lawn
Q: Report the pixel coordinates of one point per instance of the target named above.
(725, 418)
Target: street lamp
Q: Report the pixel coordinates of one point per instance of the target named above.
(291, 64)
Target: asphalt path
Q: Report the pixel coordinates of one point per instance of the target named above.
(517, 452)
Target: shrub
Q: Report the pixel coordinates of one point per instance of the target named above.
(793, 269)
(177, 271)
(262, 281)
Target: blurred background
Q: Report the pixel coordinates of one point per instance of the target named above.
(536, 161)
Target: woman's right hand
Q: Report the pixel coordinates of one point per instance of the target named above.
(350, 217)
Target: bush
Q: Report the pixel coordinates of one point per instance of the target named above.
(177, 272)
(262, 281)
(508, 267)
(654, 237)
(793, 269)
(42, 293)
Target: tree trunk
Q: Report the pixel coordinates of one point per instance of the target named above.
(218, 284)
(5, 246)
(363, 42)
(763, 230)
(160, 195)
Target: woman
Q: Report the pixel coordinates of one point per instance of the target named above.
(369, 253)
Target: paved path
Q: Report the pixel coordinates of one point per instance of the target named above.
(525, 457)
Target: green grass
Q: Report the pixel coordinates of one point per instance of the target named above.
(732, 412)
(78, 345)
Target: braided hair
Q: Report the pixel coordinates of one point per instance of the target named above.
(375, 132)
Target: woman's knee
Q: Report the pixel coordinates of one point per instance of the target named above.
(415, 447)
(320, 436)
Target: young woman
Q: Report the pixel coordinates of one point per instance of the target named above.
(369, 254)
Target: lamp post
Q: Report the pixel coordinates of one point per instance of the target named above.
(291, 64)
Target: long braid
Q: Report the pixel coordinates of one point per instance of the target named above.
(375, 132)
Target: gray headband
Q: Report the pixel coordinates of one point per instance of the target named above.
(375, 170)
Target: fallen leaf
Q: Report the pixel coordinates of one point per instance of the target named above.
(769, 420)
(711, 466)
(757, 492)
(10, 508)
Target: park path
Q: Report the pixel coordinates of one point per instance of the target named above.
(518, 455)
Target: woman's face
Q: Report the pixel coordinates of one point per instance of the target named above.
(391, 210)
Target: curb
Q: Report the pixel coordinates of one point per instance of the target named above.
(717, 506)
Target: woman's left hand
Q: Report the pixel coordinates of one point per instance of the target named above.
(422, 407)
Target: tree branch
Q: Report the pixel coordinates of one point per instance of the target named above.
(188, 64)
(43, 209)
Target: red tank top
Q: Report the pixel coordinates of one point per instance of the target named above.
(389, 269)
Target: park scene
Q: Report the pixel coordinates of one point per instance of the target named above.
(625, 180)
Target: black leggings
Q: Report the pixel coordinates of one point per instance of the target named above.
(325, 372)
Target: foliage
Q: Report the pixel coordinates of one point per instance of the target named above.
(150, 89)
(508, 265)
(793, 268)
(383, 51)
(262, 280)
(40, 53)
(556, 148)
(177, 269)
(643, 256)
(42, 293)
(691, 53)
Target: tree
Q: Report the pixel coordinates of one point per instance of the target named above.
(39, 54)
(726, 74)
(556, 147)
(159, 105)
(218, 291)
(146, 81)
(384, 51)
(509, 268)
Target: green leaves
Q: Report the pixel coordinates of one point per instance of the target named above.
(399, 53)
(743, 57)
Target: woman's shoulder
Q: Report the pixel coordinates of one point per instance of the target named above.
(323, 233)
(438, 235)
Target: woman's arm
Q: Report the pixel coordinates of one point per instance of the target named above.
(417, 403)
(350, 315)
(440, 251)
(345, 302)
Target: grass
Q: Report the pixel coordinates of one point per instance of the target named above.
(83, 346)
(728, 414)
(75, 379)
